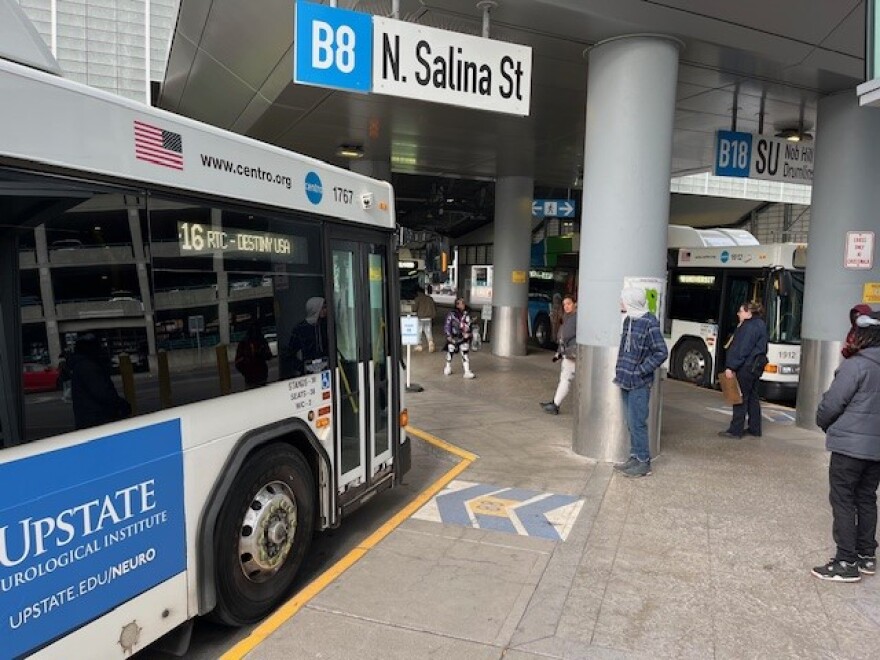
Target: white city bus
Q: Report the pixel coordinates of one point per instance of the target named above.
(202, 500)
(706, 285)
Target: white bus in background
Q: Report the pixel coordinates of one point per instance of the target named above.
(710, 274)
(202, 501)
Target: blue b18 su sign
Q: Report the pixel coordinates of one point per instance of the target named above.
(86, 528)
(333, 47)
(752, 156)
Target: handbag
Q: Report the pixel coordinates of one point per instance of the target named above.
(758, 365)
(730, 389)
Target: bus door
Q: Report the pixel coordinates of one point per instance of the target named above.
(364, 370)
(739, 288)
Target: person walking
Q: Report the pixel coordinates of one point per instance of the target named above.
(566, 351)
(458, 337)
(425, 311)
(849, 413)
(642, 351)
(745, 361)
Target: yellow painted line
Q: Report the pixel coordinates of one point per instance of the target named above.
(315, 587)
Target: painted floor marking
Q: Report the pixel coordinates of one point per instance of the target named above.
(511, 510)
(769, 413)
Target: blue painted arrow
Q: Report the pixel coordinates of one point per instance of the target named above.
(452, 505)
(532, 515)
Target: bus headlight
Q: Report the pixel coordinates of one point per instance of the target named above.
(789, 369)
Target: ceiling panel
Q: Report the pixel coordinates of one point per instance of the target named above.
(803, 20)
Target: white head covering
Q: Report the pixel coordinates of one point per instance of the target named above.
(313, 309)
(635, 302)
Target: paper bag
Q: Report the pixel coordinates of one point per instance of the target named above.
(730, 389)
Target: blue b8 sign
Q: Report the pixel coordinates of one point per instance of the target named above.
(332, 47)
(733, 153)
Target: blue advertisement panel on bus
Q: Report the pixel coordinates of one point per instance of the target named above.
(86, 528)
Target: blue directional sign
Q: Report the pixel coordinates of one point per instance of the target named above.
(733, 153)
(332, 47)
(553, 208)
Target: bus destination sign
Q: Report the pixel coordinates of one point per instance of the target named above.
(195, 239)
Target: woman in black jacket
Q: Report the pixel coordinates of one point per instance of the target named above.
(748, 345)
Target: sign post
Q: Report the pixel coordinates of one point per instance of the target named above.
(197, 326)
(409, 337)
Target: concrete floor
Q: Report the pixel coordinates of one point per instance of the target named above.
(707, 558)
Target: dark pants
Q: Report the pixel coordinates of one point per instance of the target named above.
(853, 497)
(750, 405)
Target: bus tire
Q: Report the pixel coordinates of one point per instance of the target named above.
(693, 363)
(543, 331)
(263, 533)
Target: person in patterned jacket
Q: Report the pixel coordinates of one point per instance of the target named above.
(458, 337)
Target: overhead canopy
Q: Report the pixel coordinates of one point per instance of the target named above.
(233, 67)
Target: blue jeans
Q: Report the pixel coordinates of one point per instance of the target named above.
(635, 408)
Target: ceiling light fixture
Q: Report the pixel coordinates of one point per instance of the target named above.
(794, 135)
(352, 151)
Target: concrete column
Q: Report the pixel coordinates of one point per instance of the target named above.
(627, 166)
(845, 198)
(47, 294)
(512, 249)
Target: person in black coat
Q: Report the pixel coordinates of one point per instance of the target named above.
(95, 400)
(746, 358)
(849, 413)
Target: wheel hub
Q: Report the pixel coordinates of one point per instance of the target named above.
(267, 531)
(693, 365)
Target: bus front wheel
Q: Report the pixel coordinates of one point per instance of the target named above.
(543, 331)
(693, 363)
(263, 533)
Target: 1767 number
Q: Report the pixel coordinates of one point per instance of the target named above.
(343, 195)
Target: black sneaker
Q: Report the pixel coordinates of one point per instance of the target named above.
(640, 469)
(867, 565)
(728, 434)
(621, 467)
(838, 571)
(550, 408)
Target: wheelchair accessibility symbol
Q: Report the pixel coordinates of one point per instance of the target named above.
(325, 380)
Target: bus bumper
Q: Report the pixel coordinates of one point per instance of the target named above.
(776, 391)
(404, 456)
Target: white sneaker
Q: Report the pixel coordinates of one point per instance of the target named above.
(447, 370)
(469, 374)
(418, 348)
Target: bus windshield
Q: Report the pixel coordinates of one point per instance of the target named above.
(785, 312)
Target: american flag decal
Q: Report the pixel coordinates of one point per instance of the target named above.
(158, 146)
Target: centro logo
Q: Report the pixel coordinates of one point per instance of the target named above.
(314, 189)
(725, 257)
